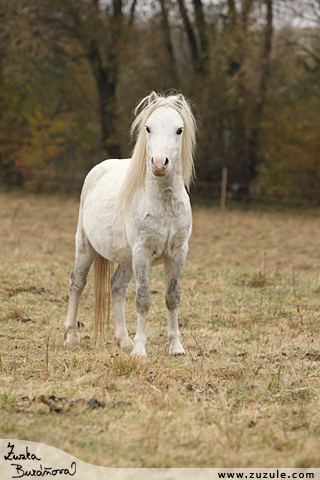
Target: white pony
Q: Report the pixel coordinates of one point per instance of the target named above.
(136, 212)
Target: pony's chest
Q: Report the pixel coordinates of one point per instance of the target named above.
(162, 233)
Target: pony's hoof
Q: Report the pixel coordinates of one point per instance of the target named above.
(139, 351)
(72, 339)
(176, 349)
(124, 342)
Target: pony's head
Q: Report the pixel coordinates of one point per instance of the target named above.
(166, 130)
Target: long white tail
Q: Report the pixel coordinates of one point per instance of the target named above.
(103, 271)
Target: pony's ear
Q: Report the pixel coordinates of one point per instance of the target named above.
(179, 100)
(152, 97)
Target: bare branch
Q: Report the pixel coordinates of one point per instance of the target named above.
(311, 53)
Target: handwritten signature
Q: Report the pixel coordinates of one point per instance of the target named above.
(38, 472)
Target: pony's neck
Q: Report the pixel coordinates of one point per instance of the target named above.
(164, 195)
(158, 187)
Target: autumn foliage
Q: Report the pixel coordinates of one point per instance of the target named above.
(72, 71)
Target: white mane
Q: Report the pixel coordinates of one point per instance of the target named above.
(136, 172)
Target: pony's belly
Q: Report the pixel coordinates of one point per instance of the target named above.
(122, 256)
(115, 254)
(109, 246)
(108, 237)
(102, 221)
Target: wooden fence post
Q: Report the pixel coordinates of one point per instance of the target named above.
(223, 189)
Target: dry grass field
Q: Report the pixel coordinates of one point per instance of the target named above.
(245, 395)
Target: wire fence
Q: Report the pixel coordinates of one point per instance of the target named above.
(71, 182)
(257, 193)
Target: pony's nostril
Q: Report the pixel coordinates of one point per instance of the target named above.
(166, 162)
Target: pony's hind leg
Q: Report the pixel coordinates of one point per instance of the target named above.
(119, 288)
(85, 255)
(172, 270)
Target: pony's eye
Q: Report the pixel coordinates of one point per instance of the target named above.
(179, 131)
(148, 129)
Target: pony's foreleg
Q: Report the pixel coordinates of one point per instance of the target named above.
(172, 271)
(141, 267)
(85, 255)
(119, 287)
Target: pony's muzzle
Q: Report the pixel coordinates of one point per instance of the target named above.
(159, 165)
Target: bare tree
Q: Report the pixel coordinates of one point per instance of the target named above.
(201, 26)
(305, 41)
(98, 28)
(199, 47)
(262, 89)
(168, 41)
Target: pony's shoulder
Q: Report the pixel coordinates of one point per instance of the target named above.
(111, 164)
(107, 168)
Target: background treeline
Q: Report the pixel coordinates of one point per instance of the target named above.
(71, 71)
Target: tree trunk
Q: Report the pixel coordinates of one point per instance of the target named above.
(190, 34)
(262, 91)
(199, 48)
(106, 81)
(106, 77)
(233, 14)
(168, 43)
(202, 29)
